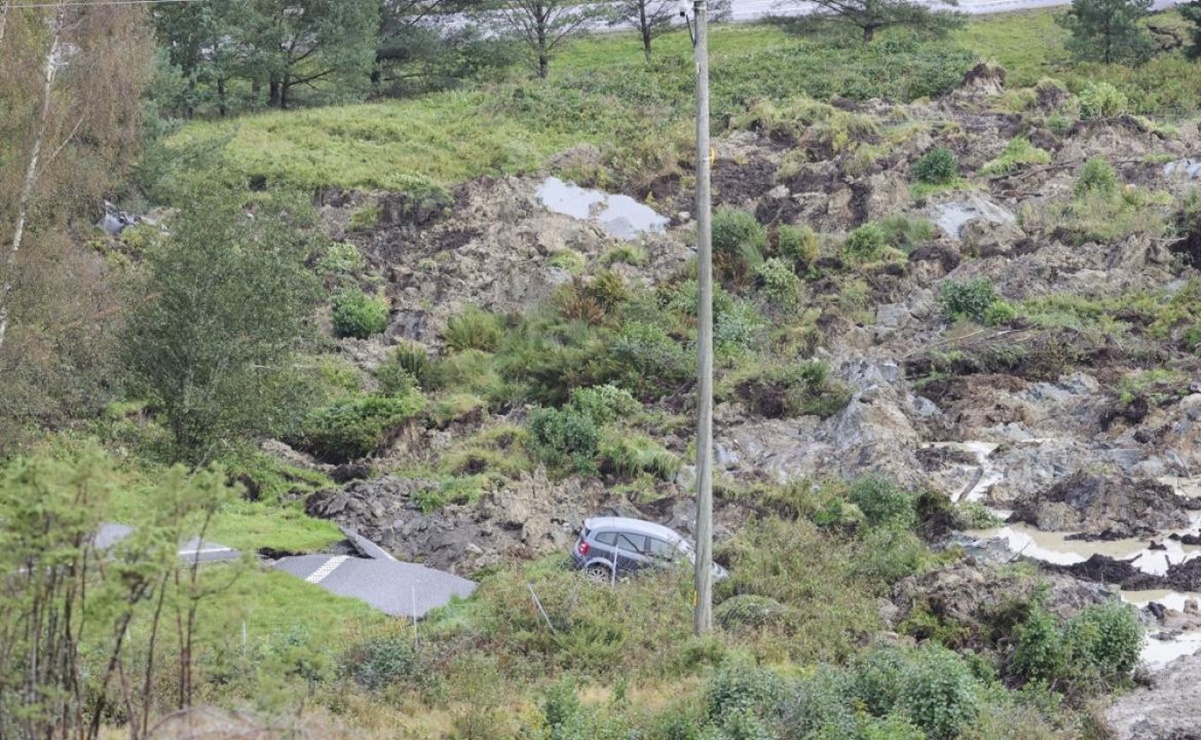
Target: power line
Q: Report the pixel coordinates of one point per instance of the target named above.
(91, 3)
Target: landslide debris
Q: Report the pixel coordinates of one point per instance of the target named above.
(1097, 506)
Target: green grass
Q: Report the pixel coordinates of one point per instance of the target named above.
(1028, 44)
(250, 525)
(442, 138)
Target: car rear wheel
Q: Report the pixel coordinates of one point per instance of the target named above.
(599, 573)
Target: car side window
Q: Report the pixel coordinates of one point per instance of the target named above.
(664, 550)
(607, 538)
(631, 542)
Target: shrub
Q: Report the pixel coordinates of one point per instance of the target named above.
(564, 438)
(939, 167)
(1017, 153)
(412, 358)
(794, 389)
(820, 707)
(359, 315)
(1107, 638)
(651, 363)
(381, 661)
(473, 329)
(778, 282)
(394, 380)
(735, 326)
(938, 692)
(629, 253)
(365, 218)
(605, 403)
(340, 258)
(866, 243)
(972, 298)
(798, 244)
(1096, 177)
(733, 230)
(1102, 100)
(906, 233)
(882, 501)
(356, 426)
(740, 688)
(628, 455)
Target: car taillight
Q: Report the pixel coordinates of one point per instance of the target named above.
(583, 548)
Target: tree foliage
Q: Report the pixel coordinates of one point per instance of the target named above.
(69, 608)
(69, 114)
(872, 16)
(224, 304)
(543, 25)
(276, 45)
(1191, 11)
(1107, 31)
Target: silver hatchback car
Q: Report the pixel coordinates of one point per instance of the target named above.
(612, 546)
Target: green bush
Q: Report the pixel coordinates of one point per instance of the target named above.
(820, 706)
(474, 329)
(605, 404)
(382, 661)
(882, 501)
(734, 231)
(799, 244)
(972, 298)
(906, 233)
(778, 282)
(1107, 638)
(740, 688)
(651, 363)
(356, 426)
(1097, 177)
(1102, 100)
(564, 438)
(866, 243)
(340, 258)
(736, 325)
(939, 693)
(359, 315)
(411, 358)
(939, 167)
(785, 390)
(1018, 152)
(394, 380)
(627, 455)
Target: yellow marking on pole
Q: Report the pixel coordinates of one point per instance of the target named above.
(712, 156)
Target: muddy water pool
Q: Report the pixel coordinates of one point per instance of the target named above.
(1057, 548)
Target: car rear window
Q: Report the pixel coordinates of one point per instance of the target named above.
(607, 538)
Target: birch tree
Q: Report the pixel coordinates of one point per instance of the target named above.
(70, 82)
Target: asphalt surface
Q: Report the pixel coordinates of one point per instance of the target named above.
(395, 588)
(193, 550)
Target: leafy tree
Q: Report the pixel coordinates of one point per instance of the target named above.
(204, 41)
(70, 96)
(543, 25)
(69, 611)
(653, 18)
(1191, 11)
(1107, 30)
(871, 16)
(226, 301)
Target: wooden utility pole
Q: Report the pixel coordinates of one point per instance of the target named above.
(703, 618)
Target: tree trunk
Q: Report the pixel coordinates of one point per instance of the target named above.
(645, 25)
(221, 104)
(31, 171)
(285, 87)
(543, 51)
(869, 33)
(273, 93)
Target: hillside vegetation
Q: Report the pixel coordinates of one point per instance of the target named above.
(361, 315)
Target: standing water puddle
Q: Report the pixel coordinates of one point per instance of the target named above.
(619, 215)
(1054, 547)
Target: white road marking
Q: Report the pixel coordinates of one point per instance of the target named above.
(325, 570)
(205, 551)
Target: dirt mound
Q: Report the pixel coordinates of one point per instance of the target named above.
(1110, 506)
(981, 604)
